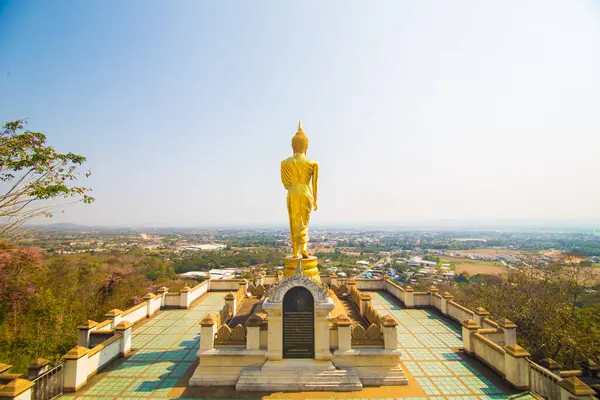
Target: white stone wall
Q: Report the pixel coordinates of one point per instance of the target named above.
(231, 285)
(198, 291)
(436, 301)
(370, 284)
(490, 353)
(172, 300)
(421, 299)
(104, 356)
(135, 314)
(154, 304)
(395, 290)
(458, 312)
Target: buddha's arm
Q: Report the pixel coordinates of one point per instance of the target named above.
(315, 179)
(286, 177)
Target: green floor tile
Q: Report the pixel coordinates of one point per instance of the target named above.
(142, 387)
(176, 330)
(180, 369)
(445, 354)
(173, 355)
(165, 387)
(427, 385)
(159, 369)
(451, 386)
(479, 385)
(109, 387)
(191, 355)
(153, 330)
(129, 369)
(461, 368)
(421, 355)
(413, 368)
(435, 369)
(146, 355)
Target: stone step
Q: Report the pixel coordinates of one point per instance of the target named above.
(295, 376)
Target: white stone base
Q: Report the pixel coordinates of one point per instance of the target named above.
(298, 375)
(215, 376)
(381, 376)
(222, 367)
(375, 367)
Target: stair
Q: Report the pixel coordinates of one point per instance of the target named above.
(298, 375)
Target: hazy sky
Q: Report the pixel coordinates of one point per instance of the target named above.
(416, 110)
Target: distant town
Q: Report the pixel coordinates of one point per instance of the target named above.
(409, 257)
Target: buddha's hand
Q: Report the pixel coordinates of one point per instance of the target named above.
(316, 206)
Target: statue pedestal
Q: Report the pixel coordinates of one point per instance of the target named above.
(309, 267)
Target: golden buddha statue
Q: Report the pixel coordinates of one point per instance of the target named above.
(299, 176)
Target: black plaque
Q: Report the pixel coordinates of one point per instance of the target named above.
(298, 324)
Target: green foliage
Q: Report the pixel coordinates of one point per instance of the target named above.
(42, 300)
(33, 172)
(207, 260)
(547, 306)
(462, 278)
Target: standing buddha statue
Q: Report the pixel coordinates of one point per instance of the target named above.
(299, 176)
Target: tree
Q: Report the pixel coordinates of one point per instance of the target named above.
(546, 305)
(32, 173)
(462, 278)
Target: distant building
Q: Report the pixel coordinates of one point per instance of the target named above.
(194, 274)
(418, 261)
(204, 247)
(225, 273)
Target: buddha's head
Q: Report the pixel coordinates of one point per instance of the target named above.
(300, 140)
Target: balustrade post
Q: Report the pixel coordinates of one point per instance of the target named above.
(38, 367)
(230, 302)
(344, 325)
(75, 369)
(334, 280)
(479, 314)
(365, 298)
(163, 293)
(184, 297)
(83, 338)
(446, 297)
(253, 332)
(390, 332)
(409, 297)
(124, 329)
(510, 331)
(516, 367)
(208, 328)
(469, 327)
(115, 315)
(244, 287)
(574, 388)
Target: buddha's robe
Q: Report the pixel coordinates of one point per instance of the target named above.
(296, 175)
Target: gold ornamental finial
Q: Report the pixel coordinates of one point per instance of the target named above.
(300, 140)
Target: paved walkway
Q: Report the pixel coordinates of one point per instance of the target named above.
(166, 347)
(431, 357)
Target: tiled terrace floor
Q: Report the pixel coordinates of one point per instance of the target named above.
(431, 358)
(166, 345)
